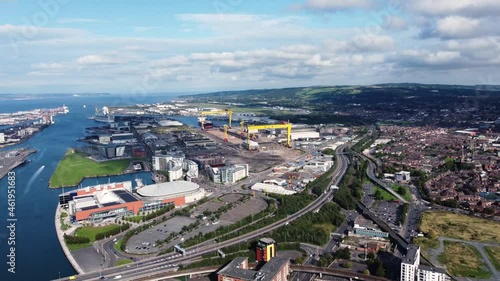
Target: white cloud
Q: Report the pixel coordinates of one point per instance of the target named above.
(334, 5)
(366, 42)
(457, 27)
(97, 59)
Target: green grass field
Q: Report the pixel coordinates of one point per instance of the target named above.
(74, 167)
(406, 196)
(494, 255)
(385, 195)
(89, 232)
(122, 262)
(463, 261)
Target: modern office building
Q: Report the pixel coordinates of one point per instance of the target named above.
(123, 138)
(276, 269)
(228, 174)
(176, 166)
(112, 150)
(265, 249)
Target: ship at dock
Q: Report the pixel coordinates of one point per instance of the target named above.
(103, 115)
(207, 124)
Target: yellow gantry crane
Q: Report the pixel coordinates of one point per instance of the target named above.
(229, 112)
(286, 126)
(225, 133)
(242, 124)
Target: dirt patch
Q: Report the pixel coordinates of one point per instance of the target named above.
(460, 226)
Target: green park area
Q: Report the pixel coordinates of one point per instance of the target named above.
(463, 261)
(403, 191)
(75, 166)
(494, 255)
(382, 195)
(87, 235)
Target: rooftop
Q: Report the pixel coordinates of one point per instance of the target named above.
(168, 189)
(266, 273)
(411, 254)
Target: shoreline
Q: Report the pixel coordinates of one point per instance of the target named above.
(23, 140)
(18, 163)
(60, 237)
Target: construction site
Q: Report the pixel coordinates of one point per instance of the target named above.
(262, 146)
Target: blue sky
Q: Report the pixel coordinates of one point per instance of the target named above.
(77, 46)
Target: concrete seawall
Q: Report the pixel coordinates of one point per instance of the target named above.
(60, 236)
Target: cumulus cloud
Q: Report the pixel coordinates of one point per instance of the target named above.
(457, 27)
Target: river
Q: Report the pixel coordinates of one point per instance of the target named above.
(38, 255)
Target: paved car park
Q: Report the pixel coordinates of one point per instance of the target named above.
(389, 212)
(144, 242)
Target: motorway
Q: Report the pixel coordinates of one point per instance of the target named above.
(171, 260)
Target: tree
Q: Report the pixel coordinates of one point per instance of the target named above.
(371, 256)
(343, 253)
(299, 260)
(378, 195)
(366, 272)
(401, 190)
(380, 270)
(347, 264)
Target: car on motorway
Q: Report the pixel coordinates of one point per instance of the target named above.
(118, 276)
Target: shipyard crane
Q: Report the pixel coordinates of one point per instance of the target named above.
(225, 133)
(229, 112)
(286, 126)
(242, 124)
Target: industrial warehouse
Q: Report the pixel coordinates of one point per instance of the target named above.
(107, 201)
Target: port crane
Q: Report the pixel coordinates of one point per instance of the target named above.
(229, 112)
(225, 133)
(242, 124)
(286, 126)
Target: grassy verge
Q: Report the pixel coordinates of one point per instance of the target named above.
(89, 232)
(117, 245)
(382, 194)
(463, 261)
(64, 226)
(459, 226)
(74, 167)
(494, 255)
(122, 262)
